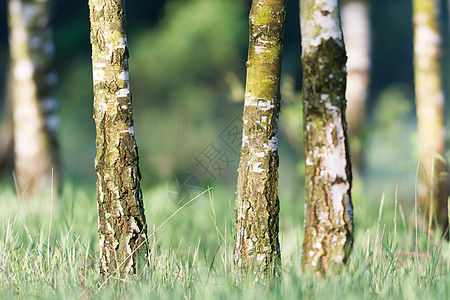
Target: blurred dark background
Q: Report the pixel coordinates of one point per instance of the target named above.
(187, 74)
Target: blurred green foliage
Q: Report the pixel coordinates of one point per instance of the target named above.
(390, 143)
(179, 71)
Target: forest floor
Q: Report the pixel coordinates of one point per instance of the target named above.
(49, 249)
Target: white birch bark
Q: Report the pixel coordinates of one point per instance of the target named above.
(122, 225)
(328, 207)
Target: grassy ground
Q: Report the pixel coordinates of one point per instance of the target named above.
(48, 249)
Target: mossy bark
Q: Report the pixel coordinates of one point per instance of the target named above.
(433, 192)
(357, 36)
(328, 207)
(121, 221)
(257, 248)
(33, 97)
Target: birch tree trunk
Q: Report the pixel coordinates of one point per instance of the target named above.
(328, 207)
(356, 30)
(433, 191)
(34, 104)
(121, 221)
(257, 247)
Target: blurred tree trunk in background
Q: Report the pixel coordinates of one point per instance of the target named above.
(121, 221)
(432, 187)
(328, 208)
(33, 100)
(357, 36)
(257, 247)
(7, 131)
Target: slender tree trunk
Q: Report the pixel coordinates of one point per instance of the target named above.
(433, 191)
(256, 213)
(7, 131)
(356, 29)
(34, 103)
(328, 208)
(121, 221)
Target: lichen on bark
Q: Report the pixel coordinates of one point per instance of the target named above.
(257, 249)
(121, 219)
(328, 207)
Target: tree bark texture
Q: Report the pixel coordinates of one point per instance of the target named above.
(357, 36)
(121, 221)
(433, 193)
(328, 207)
(32, 89)
(257, 248)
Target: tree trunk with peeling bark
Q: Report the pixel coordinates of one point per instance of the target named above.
(121, 221)
(356, 30)
(328, 207)
(33, 96)
(433, 193)
(257, 249)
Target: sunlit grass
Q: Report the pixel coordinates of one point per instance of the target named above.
(191, 253)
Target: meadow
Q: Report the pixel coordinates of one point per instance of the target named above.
(48, 249)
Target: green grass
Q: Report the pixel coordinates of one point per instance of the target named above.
(52, 253)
